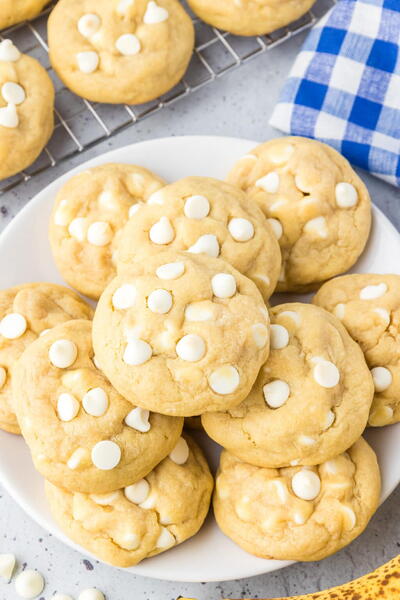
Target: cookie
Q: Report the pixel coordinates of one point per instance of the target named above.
(297, 513)
(144, 519)
(369, 307)
(124, 51)
(244, 17)
(181, 334)
(205, 215)
(82, 434)
(317, 205)
(15, 11)
(311, 399)
(88, 215)
(26, 109)
(26, 312)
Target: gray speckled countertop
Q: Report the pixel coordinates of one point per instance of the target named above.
(237, 105)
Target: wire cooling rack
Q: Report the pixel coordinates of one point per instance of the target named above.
(80, 125)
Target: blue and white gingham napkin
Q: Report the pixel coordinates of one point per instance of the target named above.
(344, 87)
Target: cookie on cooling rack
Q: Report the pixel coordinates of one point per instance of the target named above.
(87, 218)
(145, 518)
(120, 51)
(26, 109)
(15, 11)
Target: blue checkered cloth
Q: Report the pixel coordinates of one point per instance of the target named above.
(344, 87)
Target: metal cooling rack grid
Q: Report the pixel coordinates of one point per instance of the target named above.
(80, 125)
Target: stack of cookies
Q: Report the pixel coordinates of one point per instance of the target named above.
(183, 274)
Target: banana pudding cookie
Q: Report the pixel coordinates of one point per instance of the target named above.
(88, 216)
(369, 307)
(95, 440)
(26, 312)
(15, 11)
(317, 205)
(145, 518)
(311, 399)
(297, 513)
(250, 17)
(181, 334)
(26, 109)
(202, 215)
(120, 51)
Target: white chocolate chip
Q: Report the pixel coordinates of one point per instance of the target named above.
(3, 376)
(88, 24)
(198, 312)
(155, 14)
(280, 154)
(67, 407)
(223, 285)
(7, 566)
(269, 183)
(87, 61)
(279, 337)
(160, 301)
(330, 419)
(383, 314)
(91, 594)
(99, 233)
(137, 492)
(277, 205)
(61, 216)
(206, 244)
(299, 519)
(260, 334)
(77, 458)
(105, 499)
(95, 402)
(191, 348)
(371, 292)
(196, 207)
(281, 490)
(149, 503)
(107, 200)
(29, 584)
(12, 326)
(9, 52)
(301, 185)
(165, 539)
(134, 208)
(382, 378)
(124, 297)
(276, 227)
(349, 517)
(346, 195)
(106, 455)
(156, 197)
(77, 229)
(339, 310)
(162, 232)
(330, 466)
(224, 380)
(306, 485)
(137, 352)
(276, 393)
(138, 418)
(306, 440)
(128, 44)
(9, 116)
(242, 230)
(180, 453)
(317, 226)
(291, 314)
(124, 6)
(326, 374)
(129, 541)
(13, 93)
(170, 271)
(63, 353)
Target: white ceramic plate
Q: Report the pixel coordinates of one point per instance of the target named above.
(25, 256)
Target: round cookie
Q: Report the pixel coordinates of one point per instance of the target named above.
(205, 215)
(26, 311)
(311, 399)
(249, 17)
(317, 205)
(144, 519)
(26, 109)
(88, 215)
(15, 11)
(181, 334)
(120, 51)
(369, 307)
(297, 513)
(82, 434)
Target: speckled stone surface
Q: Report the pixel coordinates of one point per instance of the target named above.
(237, 105)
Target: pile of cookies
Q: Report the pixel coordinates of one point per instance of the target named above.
(182, 274)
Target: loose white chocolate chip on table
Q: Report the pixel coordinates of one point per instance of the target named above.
(160, 301)
(99, 233)
(180, 453)
(63, 353)
(155, 14)
(330, 419)
(77, 229)
(260, 334)
(9, 116)
(306, 485)
(104, 499)
(371, 292)
(242, 230)
(13, 93)
(224, 380)
(206, 244)
(128, 44)
(77, 458)
(87, 61)
(7, 566)
(191, 348)
(197, 207)
(12, 326)
(137, 492)
(124, 297)
(291, 314)
(67, 407)
(9, 52)
(162, 232)
(269, 183)
(383, 314)
(279, 337)
(29, 584)
(91, 594)
(95, 402)
(198, 312)
(276, 227)
(223, 285)
(339, 310)
(346, 195)
(170, 271)
(106, 455)
(3, 376)
(382, 378)
(138, 418)
(137, 352)
(326, 374)
(276, 393)
(317, 226)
